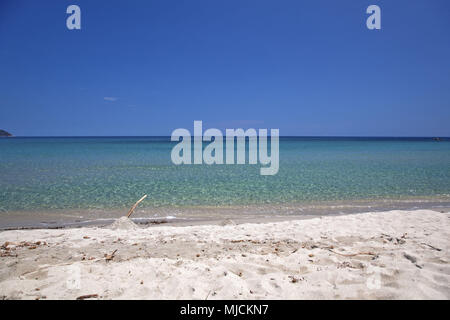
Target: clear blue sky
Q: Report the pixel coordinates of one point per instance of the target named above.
(305, 67)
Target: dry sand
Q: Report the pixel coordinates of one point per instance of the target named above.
(383, 255)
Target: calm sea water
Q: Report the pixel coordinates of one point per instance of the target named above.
(93, 176)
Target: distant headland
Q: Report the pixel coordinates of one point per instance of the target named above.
(4, 133)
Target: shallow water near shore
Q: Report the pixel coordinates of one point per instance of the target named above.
(68, 181)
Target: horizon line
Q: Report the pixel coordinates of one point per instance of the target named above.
(281, 136)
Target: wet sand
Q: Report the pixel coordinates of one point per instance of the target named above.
(196, 215)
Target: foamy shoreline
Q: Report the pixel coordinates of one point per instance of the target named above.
(379, 255)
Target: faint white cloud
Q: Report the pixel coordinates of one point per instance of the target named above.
(110, 98)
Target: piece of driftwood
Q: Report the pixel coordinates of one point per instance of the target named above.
(109, 257)
(429, 245)
(354, 254)
(87, 296)
(135, 205)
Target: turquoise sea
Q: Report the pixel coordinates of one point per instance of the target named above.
(52, 180)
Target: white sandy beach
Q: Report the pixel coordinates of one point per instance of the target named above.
(382, 255)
